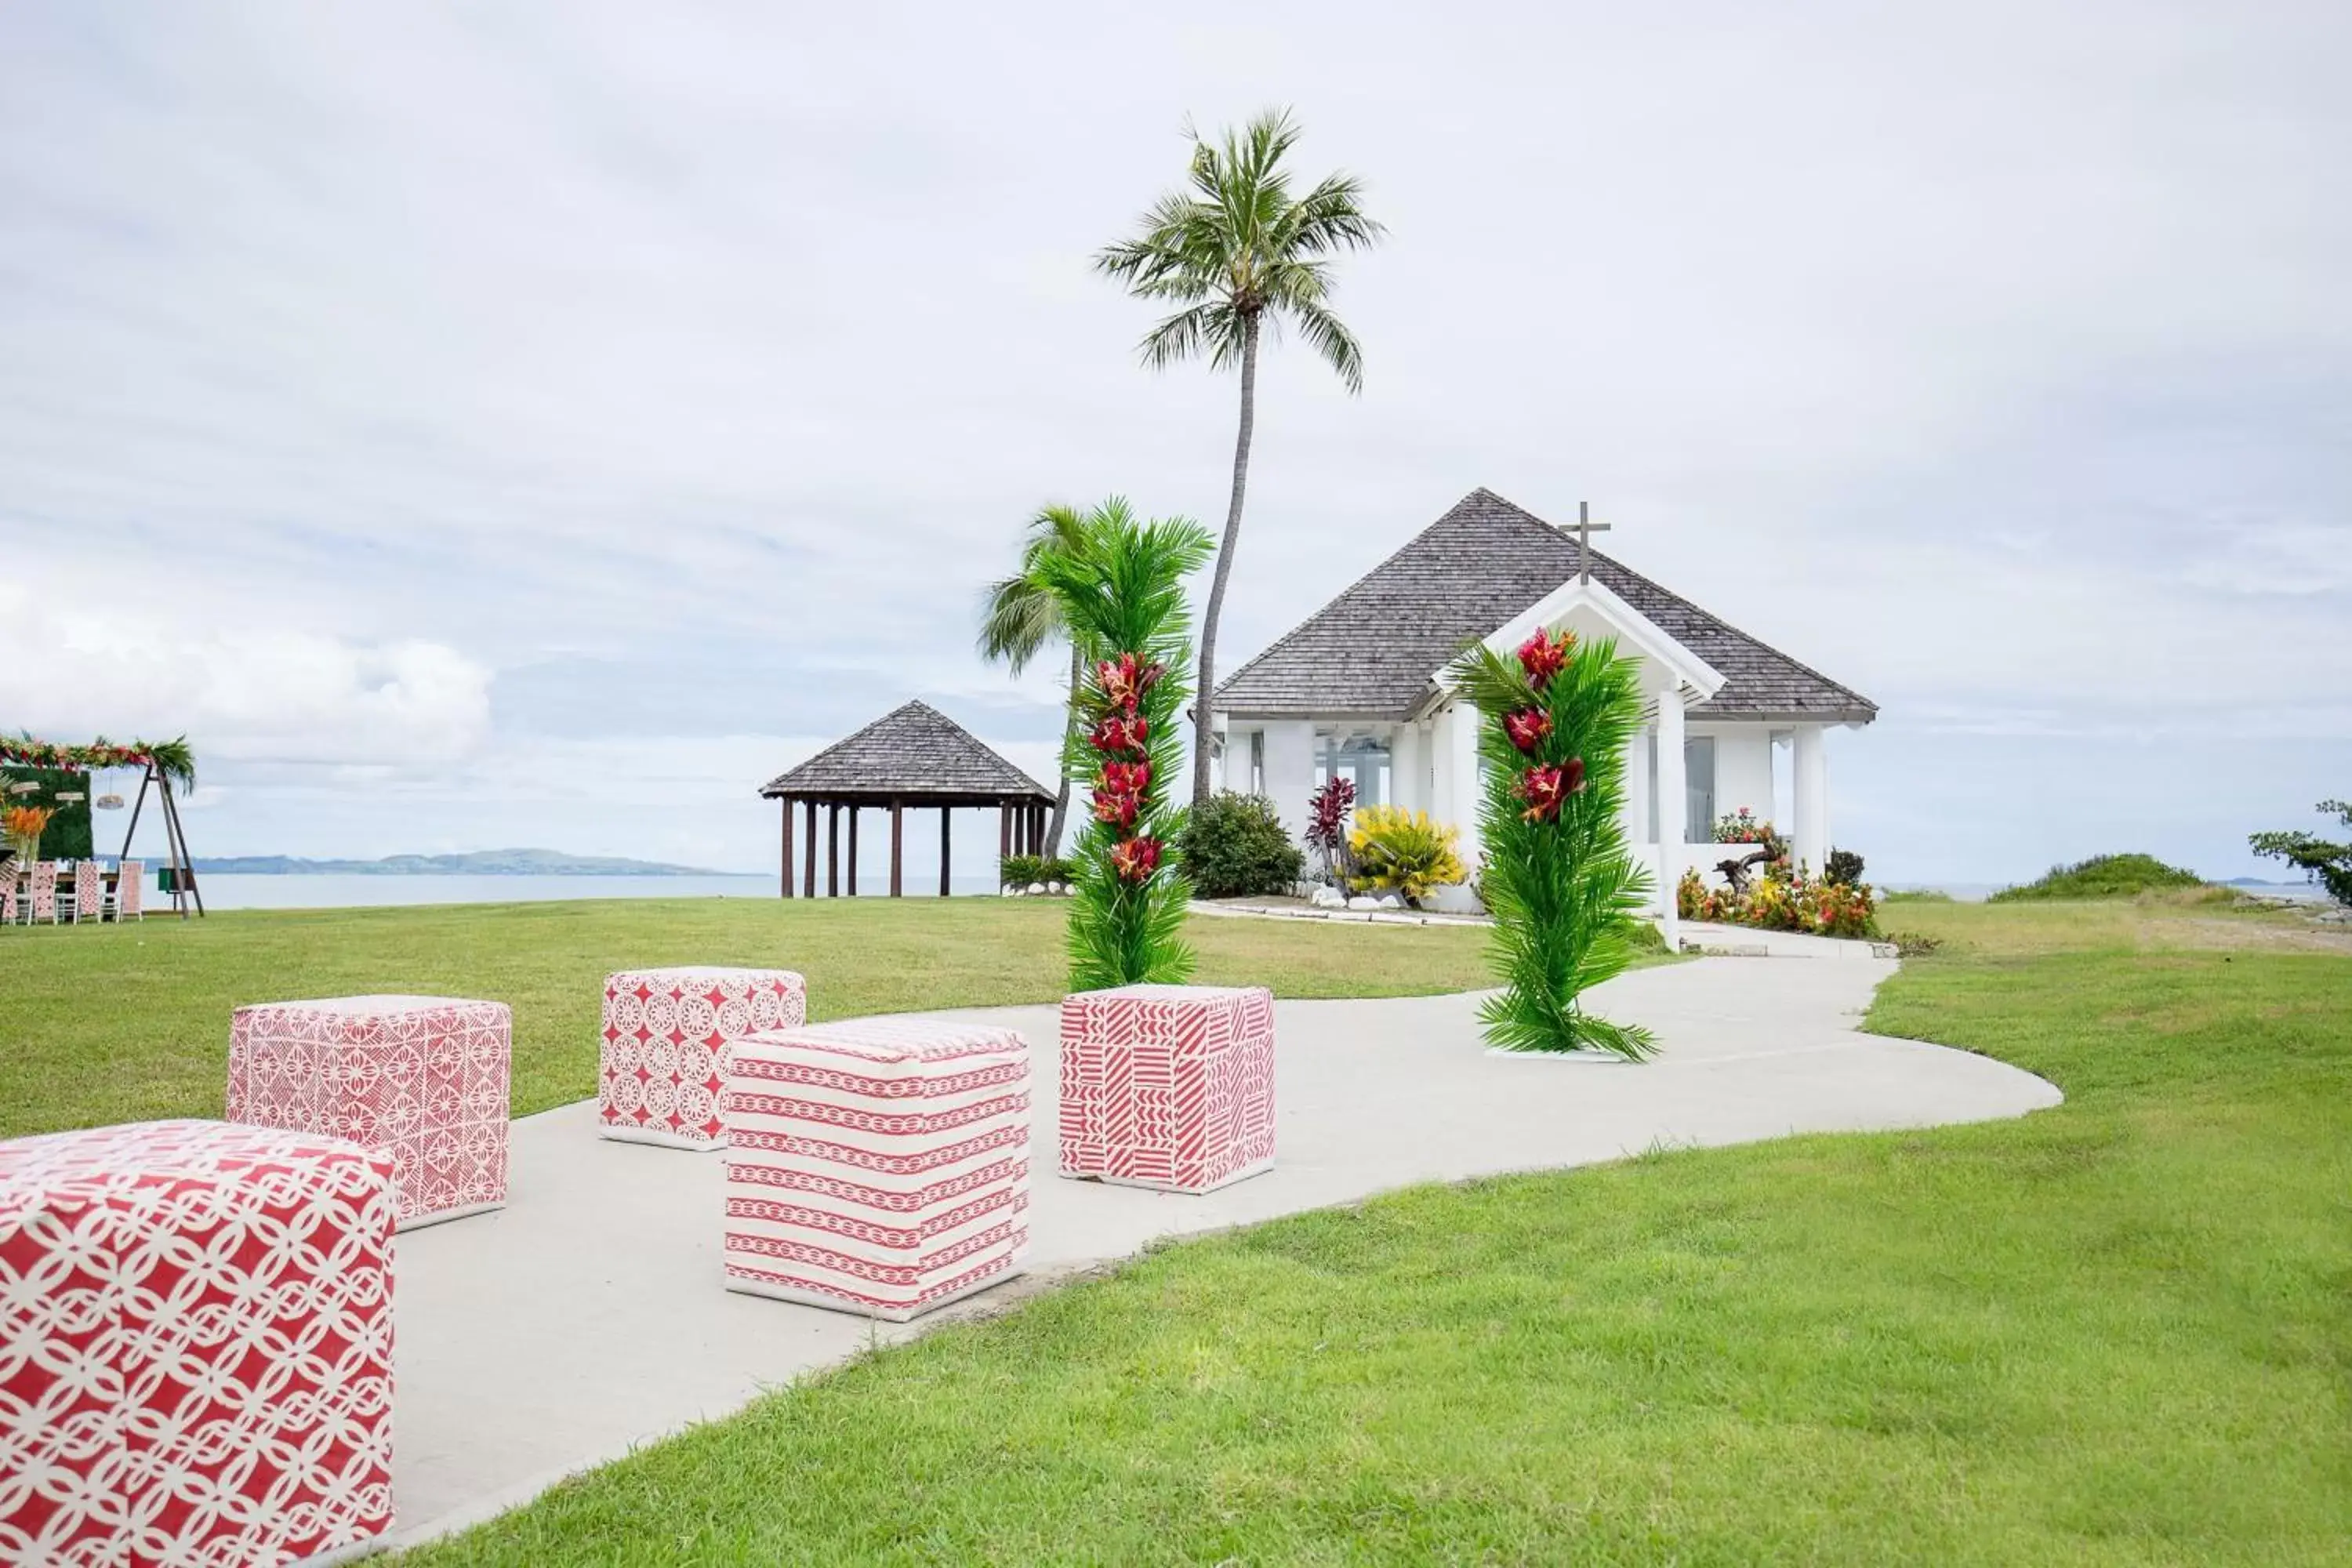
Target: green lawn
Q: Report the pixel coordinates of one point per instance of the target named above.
(122, 1024)
(2117, 1332)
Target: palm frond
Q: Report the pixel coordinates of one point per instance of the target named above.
(1332, 343)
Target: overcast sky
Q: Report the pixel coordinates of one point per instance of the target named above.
(485, 425)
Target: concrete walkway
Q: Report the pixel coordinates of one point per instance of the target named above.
(587, 1317)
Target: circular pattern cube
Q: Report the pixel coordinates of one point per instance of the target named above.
(195, 1345)
(665, 1040)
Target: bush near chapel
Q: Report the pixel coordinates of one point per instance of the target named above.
(1234, 847)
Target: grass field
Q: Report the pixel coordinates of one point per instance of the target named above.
(2119, 1332)
(124, 1024)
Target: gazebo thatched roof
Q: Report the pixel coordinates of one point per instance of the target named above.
(914, 754)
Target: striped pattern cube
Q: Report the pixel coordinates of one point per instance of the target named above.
(666, 1032)
(195, 1346)
(877, 1167)
(1167, 1086)
(422, 1078)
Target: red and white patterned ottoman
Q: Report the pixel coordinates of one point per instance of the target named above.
(1167, 1086)
(422, 1078)
(666, 1032)
(880, 1166)
(195, 1346)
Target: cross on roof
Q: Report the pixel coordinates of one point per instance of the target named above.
(1585, 529)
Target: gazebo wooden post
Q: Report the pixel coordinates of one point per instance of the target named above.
(833, 850)
(788, 846)
(808, 873)
(898, 843)
(853, 848)
(945, 815)
(1004, 831)
(1037, 829)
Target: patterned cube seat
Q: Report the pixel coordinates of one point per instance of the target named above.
(877, 1167)
(1167, 1086)
(666, 1032)
(422, 1078)
(195, 1346)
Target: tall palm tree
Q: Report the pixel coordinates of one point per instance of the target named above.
(1020, 614)
(1236, 252)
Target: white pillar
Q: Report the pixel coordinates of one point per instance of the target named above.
(1673, 808)
(1461, 767)
(1290, 772)
(1405, 769)
(1810, 775)
(1638, 827)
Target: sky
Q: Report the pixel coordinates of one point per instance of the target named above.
(481, 424)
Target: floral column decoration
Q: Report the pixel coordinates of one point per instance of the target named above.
(1123, 599)
(1561, 882)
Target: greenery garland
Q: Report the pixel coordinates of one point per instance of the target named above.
(1562, 885)
(173, 758)
(1122, 597)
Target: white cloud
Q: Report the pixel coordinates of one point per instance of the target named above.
(249, 695)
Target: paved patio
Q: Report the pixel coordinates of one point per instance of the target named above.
(587, 1317)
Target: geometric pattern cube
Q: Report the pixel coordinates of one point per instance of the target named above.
(195, 1345)
(879, 1167)
(1167, 1086)
(422, 1078)
(666, 1032)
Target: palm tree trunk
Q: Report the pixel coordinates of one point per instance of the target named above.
(1069, 723)
(1205, 736)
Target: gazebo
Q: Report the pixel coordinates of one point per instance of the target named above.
(912, 757)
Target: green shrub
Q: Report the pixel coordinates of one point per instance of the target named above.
(1917, 896)
(1915, 944)
(1234, 847)
(1020, 870)
(2103, 877)
(1843, 867)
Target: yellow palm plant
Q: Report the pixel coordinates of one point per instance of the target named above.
(1403, 852)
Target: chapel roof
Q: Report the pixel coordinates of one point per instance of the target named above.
(1374, 651)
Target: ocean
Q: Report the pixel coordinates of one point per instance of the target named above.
(224, 891)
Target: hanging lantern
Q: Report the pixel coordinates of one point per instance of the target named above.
(108, 803)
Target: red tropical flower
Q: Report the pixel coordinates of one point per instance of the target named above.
(1136, 859)
(1575, 771)
(1543, 789)
(1527, 728)
(1124, 681)
(1126, 778)
(1121, 733)
(1117, 807)
(1543, 655)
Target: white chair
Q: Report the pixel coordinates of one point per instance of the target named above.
(122, 899)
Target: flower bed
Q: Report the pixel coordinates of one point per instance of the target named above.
(1791, 902)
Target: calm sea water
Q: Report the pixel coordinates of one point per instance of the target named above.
(224, 892)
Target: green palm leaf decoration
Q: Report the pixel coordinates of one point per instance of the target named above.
(1563, 887)
(1122, 598)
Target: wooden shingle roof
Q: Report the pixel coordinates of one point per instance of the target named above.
(912, 753)
(1374, 651)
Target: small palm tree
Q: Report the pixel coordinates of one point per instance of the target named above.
(1020, 616)
(1236, 251)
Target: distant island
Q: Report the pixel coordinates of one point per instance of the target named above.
(477, 863)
